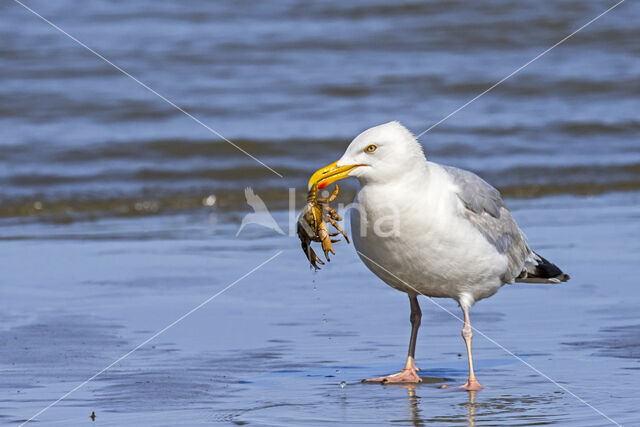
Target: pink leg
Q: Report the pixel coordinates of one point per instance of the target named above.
(467, 334)
(408, 374)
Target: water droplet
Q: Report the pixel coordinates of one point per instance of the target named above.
(210, 200)
(315, 289)
(342, 384)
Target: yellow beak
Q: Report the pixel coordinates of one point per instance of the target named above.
(330, 173)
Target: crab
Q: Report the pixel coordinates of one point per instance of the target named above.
(312, 225)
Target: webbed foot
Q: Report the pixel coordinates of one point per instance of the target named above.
(404, 376)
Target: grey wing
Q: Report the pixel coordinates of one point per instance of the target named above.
(489, 215)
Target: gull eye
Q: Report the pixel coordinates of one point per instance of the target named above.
(371, 148)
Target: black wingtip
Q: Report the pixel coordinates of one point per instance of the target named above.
(548, 270)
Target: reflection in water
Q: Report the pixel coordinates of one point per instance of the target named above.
(414, 406)
(471, 406)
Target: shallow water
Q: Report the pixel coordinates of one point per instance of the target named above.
(275, 348)
(106, 237)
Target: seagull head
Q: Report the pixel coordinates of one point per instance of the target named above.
(379, 154)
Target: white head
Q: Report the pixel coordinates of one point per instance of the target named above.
(379, 154)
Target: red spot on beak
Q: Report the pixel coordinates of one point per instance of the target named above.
(322, 185)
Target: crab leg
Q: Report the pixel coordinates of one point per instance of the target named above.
(333, 214)
(331, 198)
(337, 227)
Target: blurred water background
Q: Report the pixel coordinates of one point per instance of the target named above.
(293, 83)
(108, 230)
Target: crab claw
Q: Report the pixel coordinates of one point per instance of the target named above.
(315, 259)
(326, 247)
(311, 256)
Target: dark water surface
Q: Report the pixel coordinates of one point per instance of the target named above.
(292, 83)
(106, 236)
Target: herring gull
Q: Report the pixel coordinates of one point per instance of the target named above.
(433, 230)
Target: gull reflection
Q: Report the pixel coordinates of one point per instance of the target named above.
(415, 410)
(414, 404)
(471, 408)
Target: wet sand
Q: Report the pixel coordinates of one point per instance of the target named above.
(288, 346)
